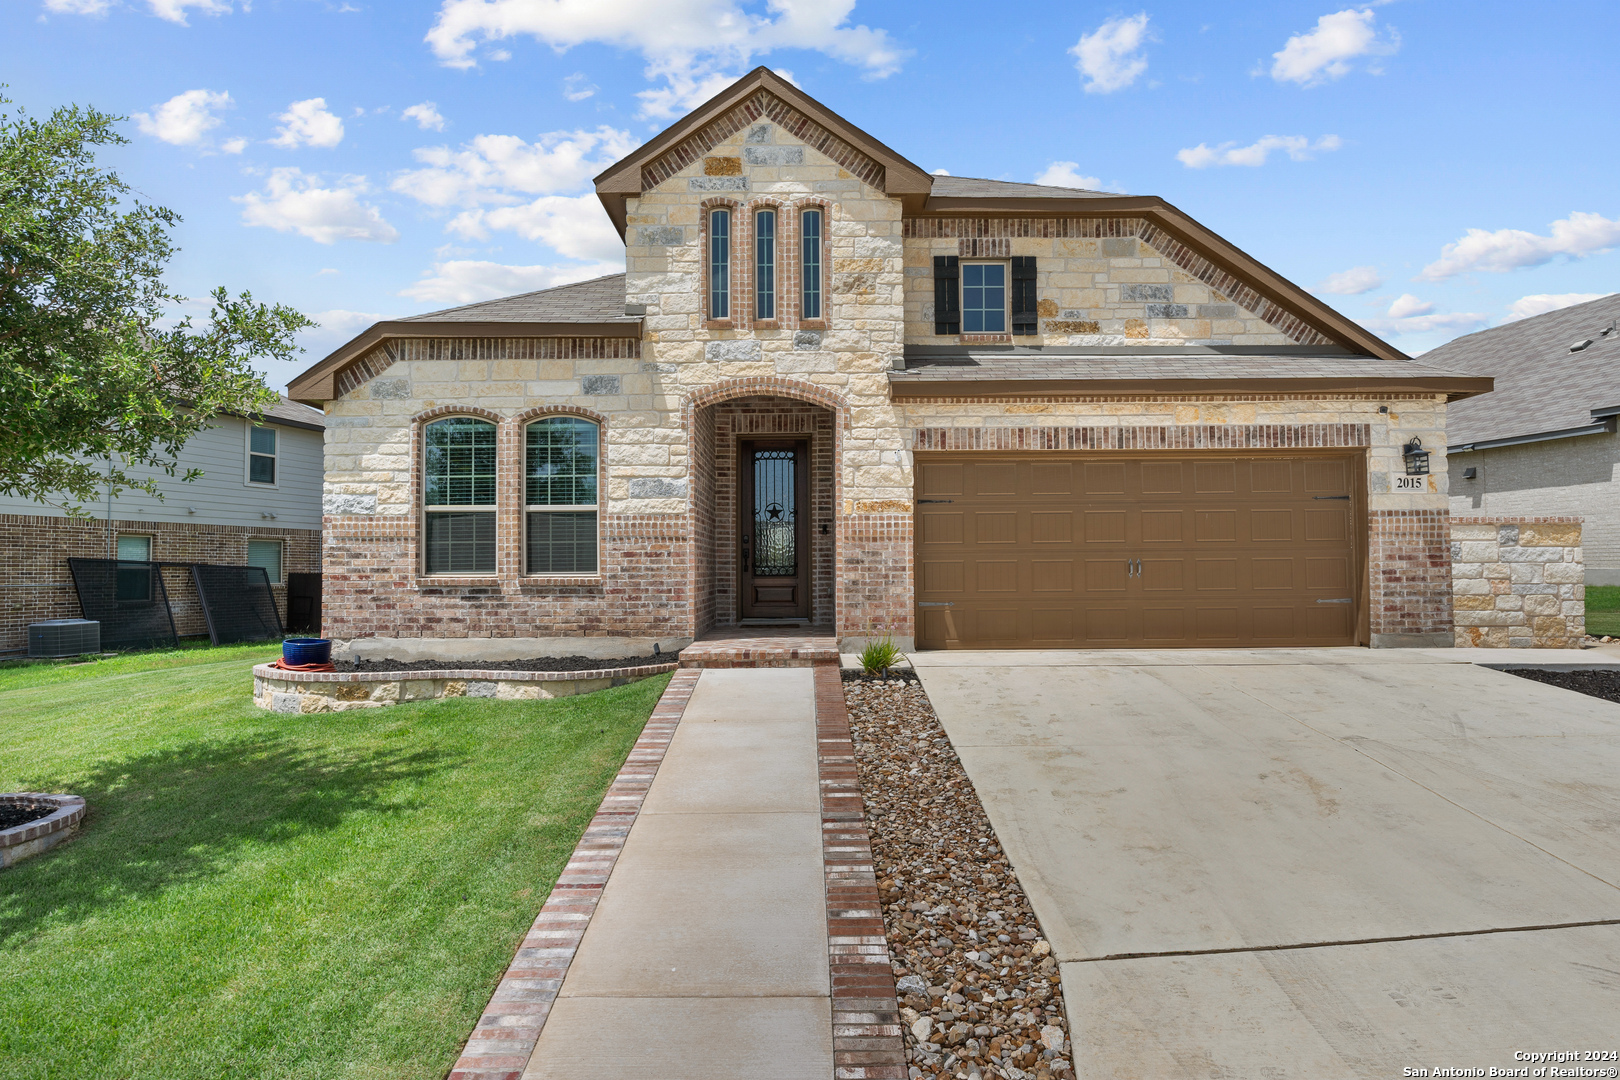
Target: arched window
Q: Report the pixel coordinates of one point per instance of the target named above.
(810, 246)
(559, 495)
(720, 264)
(458, 496)
(765, 264)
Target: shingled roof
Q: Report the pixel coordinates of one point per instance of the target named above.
(970, 187)
(1541, 386)
(595, 301)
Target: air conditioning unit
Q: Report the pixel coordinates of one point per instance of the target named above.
(64, 637)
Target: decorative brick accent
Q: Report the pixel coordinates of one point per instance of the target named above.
(875, 567)
(35, 583)
(1193, 262)
(505, 1036)
(976, 247)
(1155, 437)
(867, 1041)
(1409, 566)
(766, 105)
(1518, 582)
(761, 646)
(367, 367)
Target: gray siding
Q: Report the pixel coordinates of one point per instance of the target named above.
(221, 496)
(1562, 476)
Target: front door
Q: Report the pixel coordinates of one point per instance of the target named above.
(773, 549)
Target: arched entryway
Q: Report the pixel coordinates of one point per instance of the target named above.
(765, 490)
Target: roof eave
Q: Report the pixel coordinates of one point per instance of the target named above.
(1455, 388)
(316, 385)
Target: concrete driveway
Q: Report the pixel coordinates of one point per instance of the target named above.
(1303, 863)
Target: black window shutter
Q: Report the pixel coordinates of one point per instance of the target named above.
(1024, 321)
(947, 296)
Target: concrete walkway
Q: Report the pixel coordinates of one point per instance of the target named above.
(707, 955)
(1304, 863)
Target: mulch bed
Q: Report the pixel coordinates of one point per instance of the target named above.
(979, 989)
(1599, 682)
(544, 663)
(12, 815)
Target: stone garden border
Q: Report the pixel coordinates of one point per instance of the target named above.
(22, 841)
(336, 691)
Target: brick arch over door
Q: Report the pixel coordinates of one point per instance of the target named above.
(717, 419)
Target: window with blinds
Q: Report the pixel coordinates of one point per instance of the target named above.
(560, 493)
(458, 495)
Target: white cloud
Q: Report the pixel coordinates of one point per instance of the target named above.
(1066, 174)
(426, 116)
(1406, 305)
(1325, 53)
(1527, 307)
(1109, 56)
(185, 119)
(574, 226)
(173, 10)
(490, 168)
(942, 172)
(307, 123)
(684, 89)
(1575, 237)
(685, 42)
(577, 87)
(1297, 147)
(293, 201)
(465, 281)
(234, 146)
(1351, 282)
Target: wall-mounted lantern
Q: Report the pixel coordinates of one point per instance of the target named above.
(1417, 458)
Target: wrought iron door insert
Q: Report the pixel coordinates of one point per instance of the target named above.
(774, 553)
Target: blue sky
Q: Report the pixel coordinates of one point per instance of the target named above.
(1428, 168)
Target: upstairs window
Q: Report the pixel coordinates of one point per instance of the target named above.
(559, 483)
(720, 264)
(765, 264)
(984, 298)
(810, 241)
(261, 455)
(458, 483)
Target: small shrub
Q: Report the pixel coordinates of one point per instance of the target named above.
(879, 656)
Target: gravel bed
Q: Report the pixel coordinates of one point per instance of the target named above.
(544, 663)
(979, 988)
(13, 814)
(1599, 682)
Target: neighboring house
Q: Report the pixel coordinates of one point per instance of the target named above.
(832, 387)
(258, 503)
(1544, 442)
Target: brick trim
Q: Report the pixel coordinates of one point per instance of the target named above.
(386, 355)
(1150, 437)
(504, 1038)
(1516, 519)
(705, 208)
(867, 1041)
(947, 398)
(1186, 258)
(984, 247)
(766, 386)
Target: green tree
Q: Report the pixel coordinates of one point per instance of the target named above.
(95, 378)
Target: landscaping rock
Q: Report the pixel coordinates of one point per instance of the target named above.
(977, 983)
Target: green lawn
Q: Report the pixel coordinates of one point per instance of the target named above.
(1603, 610)
(258, 895)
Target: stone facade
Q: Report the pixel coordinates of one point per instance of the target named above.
(672, 404)
(1519, 582)
(36, 584)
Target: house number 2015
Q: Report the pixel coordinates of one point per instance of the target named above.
(1411, 483)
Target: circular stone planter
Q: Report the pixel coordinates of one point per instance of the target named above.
(334, 691)
(32, 837)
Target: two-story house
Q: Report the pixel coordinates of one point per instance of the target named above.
(258, 503)
(833, 388)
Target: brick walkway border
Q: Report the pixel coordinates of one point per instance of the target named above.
(867, 1042)
(504, 1039)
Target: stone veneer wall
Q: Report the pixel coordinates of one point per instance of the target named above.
(1518, 582)
(1100, 282)
(35, 583)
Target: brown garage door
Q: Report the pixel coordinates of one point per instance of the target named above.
(1158, 551)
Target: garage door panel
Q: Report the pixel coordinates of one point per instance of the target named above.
(1100, 551)
(937, 528)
